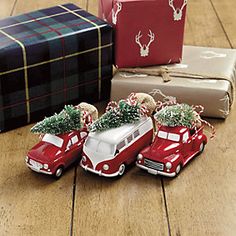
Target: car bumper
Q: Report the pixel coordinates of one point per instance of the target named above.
(39, 170)
(156, 172)
(86, 168)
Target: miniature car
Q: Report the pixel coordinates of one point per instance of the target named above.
(54, 153)
(172, 149)
(108, 153)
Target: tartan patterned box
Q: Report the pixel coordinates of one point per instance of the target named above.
(49, 58)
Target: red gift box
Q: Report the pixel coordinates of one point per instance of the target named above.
(147, 32)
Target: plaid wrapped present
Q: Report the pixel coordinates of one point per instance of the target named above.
(49, 58)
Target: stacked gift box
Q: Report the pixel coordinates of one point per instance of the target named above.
(150, 33)
(64, 55)
(49, 58)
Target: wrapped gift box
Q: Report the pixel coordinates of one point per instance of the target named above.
(147, 32)
(205, 77)
(51, 57)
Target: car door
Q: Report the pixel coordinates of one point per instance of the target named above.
(83, 136)
(187, 145)
(72, 150)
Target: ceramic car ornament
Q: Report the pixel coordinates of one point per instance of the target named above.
(118, 136)
(62, 137)
(178, 139)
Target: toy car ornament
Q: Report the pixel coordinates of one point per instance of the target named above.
(62, 138)
(179, 138)
(118, 136)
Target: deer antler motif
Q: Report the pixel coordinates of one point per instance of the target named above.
(178, 12)
(144, 49)
(115, 14)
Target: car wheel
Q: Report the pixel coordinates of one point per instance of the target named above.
(178, 169)
(59, 172)
(122, 169)
(201, 148)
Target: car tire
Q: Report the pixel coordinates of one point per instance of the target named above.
(201, 147)
(178, 169)
(122, 169)
(59, 172)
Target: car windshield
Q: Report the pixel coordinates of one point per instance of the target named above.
(52, 139)
(91, 143)
(100, 146)
(169, 136)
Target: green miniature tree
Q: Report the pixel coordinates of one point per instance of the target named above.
(176, 115)
(124, 113)
(111, 119)
(67, 120)
(130, 113)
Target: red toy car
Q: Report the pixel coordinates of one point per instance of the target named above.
(171, 150)
(54, 153)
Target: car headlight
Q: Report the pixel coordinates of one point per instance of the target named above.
(26, 158)
(140, 157)
(45, 166)
(105, 167)
(84, 158)
(168, 165)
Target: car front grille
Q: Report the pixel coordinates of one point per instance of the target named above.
(35, 164)
(154, 165)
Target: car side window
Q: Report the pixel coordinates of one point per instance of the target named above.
(74, 139)
(185, 137)
(121, 145)
(136, 133)
(83, 134)
(129, 139)
(69, 144)
(192, 132)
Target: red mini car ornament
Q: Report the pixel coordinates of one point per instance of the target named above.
(179, 138)
(54, 153)
(172, 149)
(62, 139)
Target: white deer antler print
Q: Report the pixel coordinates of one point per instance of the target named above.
(144, 49)
(115, 14)
(178, 12)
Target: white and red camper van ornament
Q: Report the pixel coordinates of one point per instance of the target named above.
(179, 138)
(61, 139)
(118, 136)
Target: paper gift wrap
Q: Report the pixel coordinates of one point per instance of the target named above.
(147, 32)
(205, 77)
(49, 58)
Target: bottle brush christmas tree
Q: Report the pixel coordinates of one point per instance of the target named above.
(117, 116)
(172, 114)
(177, 115)
(124, 112)
(67, 120)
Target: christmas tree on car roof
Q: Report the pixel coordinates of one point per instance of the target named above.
(126, 111)
(172, 114)
(177, 115)
(71, 118)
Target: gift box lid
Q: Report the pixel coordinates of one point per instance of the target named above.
(47, 30)
(49, 58)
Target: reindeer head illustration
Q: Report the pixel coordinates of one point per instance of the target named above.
(178, 12)
(115, 14)
(144, 48)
